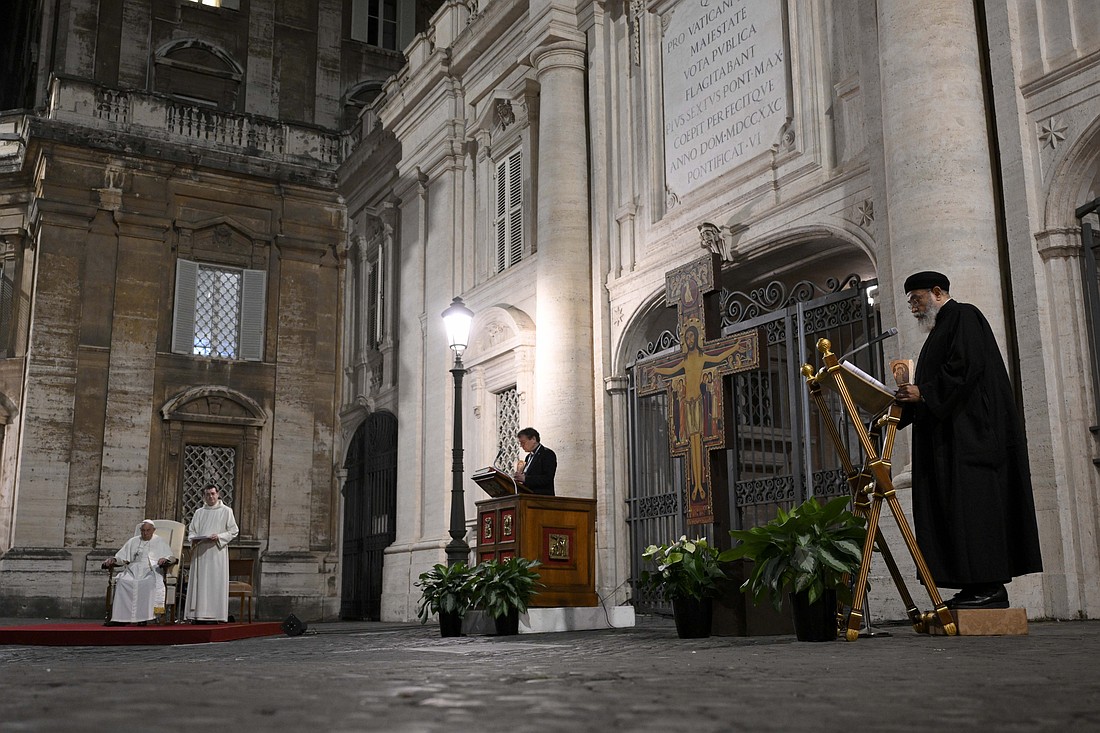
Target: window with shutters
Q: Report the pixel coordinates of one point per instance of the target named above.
(219, 311)
(7, 306)
(375, 22)
(373, 330)
(509, 211)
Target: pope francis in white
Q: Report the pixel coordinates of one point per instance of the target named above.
(139, 588)
(212, 529)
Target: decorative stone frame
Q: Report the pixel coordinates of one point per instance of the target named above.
(501, 354)
(211, 415)
(506, 120)
(222, 240)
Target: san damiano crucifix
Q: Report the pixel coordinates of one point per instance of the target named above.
(693, 378)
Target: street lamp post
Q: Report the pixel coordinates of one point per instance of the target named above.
(457, 318)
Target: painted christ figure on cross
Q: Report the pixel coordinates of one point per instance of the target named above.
(693, 378)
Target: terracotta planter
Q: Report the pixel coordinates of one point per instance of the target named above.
(450, 624)
(814, 621)
(693, 617)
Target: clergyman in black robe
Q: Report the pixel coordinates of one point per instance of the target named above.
(972, 500)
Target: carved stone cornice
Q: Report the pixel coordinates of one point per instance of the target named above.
(616, 385)
(214, 404)
(560, 54)
(1058, 243)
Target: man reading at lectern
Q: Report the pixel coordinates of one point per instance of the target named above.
(972, 501)
(540, 465)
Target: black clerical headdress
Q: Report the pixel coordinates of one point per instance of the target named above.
(926, 281)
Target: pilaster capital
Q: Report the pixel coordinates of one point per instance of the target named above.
(1059, 243)
(616, 385)
(560, 54)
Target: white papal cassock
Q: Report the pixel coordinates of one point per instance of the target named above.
(208, 579)
(140, 586)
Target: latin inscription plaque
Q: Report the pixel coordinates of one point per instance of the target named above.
(725, 86)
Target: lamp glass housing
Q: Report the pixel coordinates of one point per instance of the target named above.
(457, 318)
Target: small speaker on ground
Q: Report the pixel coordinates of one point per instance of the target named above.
(293, 626)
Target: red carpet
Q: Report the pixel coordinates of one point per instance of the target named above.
(96, 634)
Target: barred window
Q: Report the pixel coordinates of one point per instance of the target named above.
(509, 211)
(203, 465)
(219, 311)
(507, 426)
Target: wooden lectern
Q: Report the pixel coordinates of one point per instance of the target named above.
(871, 483)
(496, 483)
(558, 531)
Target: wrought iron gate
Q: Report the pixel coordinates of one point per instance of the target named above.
(780, 452)
(1090, 251)
(370, 503)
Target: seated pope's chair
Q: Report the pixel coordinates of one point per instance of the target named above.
(173, 533)
(242, 584)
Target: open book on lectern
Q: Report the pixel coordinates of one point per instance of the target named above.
(495, 482)
(869, 394)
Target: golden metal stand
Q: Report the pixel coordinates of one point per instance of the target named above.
(870, 484)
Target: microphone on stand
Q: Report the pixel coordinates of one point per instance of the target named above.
(881, 337)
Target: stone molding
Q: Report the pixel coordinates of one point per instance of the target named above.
(560, 54)
(208, 403)
(1058, 243)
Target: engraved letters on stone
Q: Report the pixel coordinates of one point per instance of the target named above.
(725, 87)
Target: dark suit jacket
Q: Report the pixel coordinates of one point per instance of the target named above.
(540, 470)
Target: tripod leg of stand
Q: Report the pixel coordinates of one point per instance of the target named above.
(911, 609)
(855, 618)
(941, 609)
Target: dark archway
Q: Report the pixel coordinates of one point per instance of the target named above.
(778, 453)
(370, 515)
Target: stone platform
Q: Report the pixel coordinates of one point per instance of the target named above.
(986, 622)
(550, 620)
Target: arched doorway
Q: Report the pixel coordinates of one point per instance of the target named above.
(370, 509)
(777, 450)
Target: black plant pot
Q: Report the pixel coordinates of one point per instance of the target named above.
(814, 621)
(507, 625)
(450, 624)
(693, 617)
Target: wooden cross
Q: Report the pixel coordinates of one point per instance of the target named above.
(693, 379)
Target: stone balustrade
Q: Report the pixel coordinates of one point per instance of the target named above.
(89, 105)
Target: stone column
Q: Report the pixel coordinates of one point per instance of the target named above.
(612, 537)
(563, 333)
(939, 190)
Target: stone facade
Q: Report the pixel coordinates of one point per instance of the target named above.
(910, 138)
(175, 135)
(549, 163)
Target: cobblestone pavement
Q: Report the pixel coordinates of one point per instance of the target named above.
(405, 679)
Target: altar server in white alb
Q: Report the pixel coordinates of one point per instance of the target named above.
(212, 529)
(139, 587)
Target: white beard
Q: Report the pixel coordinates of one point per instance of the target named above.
(927, 321)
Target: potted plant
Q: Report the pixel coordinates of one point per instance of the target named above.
(448, 592)
(504, 588)
(809, 553)
(687, 574)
